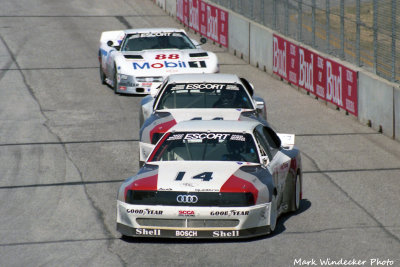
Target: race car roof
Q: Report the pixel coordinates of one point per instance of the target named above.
(204, 78)
(215, 126)
(152, 30)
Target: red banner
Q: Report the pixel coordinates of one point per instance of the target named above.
(324, 78)
(286, 61)
(194, 13)
(341, 86)
(202, 17)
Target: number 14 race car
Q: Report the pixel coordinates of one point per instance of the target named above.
(212, 179)
(136, 61)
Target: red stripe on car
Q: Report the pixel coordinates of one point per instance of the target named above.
(236, 184)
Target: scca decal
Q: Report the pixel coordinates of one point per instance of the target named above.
(159, 65)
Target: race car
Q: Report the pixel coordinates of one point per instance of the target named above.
(212, 179)
(136, 61)
(196, 97)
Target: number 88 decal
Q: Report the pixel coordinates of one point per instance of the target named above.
(164, 56)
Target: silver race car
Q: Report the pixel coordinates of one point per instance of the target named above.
(196, 97)
(136, 61)
(212, 179)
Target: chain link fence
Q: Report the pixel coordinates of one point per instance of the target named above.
(362, 32)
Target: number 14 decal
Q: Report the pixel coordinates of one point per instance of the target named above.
(205, 176)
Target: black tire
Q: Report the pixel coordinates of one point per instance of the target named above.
(296, 193)
(273, 214)
(102, 76)
(115, 82)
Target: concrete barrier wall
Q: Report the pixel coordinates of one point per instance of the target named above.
(378, 99)
(375, 103)
(170, 7)
(239, 37)
(261, 49)
(396, 104)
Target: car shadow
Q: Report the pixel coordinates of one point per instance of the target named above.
(305, 204)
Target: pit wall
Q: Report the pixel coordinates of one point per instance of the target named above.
(376, 101)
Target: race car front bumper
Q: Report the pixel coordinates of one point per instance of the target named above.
(192, 222)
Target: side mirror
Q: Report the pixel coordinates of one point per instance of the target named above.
(203, 40)
(110, 43)
(264, 160)
(260, 106)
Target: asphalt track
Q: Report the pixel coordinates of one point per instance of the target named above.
(67, 142)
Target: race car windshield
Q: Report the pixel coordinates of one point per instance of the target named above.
(208, 146)
(204, 95)
(150, 41)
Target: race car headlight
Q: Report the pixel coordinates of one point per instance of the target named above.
(124, 77)
(149, 79)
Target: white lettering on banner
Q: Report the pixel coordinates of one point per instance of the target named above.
(205, 86)
(306, 79)
(154, 34)
(202, 136)
(333, 85)
(320, 91)
(279, 59)
(320, 63)
(349, 76)
(212, 24)
(194, 15)
(350, 105)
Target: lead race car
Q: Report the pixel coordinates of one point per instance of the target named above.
(136, 61)
(213, 179)
(196, 97)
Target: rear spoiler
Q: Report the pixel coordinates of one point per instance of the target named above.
(115, 36)
(287, 140)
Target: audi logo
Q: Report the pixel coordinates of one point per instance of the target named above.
(187, 199)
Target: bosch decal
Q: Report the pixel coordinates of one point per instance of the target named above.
(186, 233)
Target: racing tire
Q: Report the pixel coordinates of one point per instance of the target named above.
(102, 76)
(296, 197)
(273, 217)
(115, 82)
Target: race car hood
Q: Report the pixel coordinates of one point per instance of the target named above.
(166, 62)
(200, 176)
(205, 114)
(162, 121)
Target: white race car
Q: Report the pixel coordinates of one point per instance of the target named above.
(212, 179)
(196, 97)
(136, 61)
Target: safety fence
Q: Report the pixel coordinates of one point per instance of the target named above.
(362, 32)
